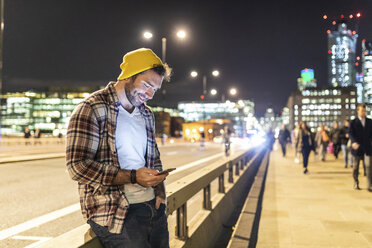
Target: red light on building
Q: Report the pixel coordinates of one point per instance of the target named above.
(342, 16)
(356, 64)
(202, 97)
(354, 32)
(329, 52)
(366, 53)
(325, 17)
(334, 22)
(358, 58)
(351, 16)
(358, 15)
(364, 40)
(328, 31)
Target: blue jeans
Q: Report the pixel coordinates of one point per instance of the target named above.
(144, 227)
(347, 155)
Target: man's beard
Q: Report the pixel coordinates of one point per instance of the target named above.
(132, 94)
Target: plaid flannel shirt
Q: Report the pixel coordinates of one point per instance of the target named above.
(92, 160)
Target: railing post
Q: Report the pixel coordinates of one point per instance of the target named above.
(221, 184)
(242, 162)
(237, 168)
(182, 230)
(231, 177)
(207, 204)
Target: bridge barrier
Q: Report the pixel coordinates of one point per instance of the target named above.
(217, 210)
(246, 229)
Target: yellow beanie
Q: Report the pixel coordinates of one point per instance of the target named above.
(138, 61)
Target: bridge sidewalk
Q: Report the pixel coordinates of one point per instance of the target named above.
(320, 209)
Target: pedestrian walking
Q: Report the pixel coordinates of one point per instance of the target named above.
(360, 133)
(324, 142)
(113, 155)
(27, 135)
(295, 132)
(318, 141)
(336, 139)
(284, 138)
(344, 136)
(305, 144)
(37, 136)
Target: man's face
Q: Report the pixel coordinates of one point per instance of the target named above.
(361, 112)
(143, 87)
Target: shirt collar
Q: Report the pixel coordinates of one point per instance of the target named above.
(362, 119)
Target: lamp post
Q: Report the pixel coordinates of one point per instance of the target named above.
(181, 34)
(231, 91)
(194, 74)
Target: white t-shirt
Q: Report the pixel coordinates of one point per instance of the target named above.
(131, 143)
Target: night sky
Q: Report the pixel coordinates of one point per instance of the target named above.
(258, 46)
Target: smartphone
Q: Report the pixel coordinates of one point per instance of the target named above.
(166, 171)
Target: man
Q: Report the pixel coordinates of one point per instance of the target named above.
(360, 133)
(284, 137)
(112, 153)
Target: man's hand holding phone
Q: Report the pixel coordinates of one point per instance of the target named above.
(167, 171)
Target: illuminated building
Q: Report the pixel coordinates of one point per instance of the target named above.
(322, 106)
(167, 121)
(49, 112)
(307, 79)
(367, 71)
(341, 56)
(239, 112)
(211, 128)
(285, 116)
(359, 87)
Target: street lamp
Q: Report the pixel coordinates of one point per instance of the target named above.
(213, 92)
(233, 91)
(194, 74)
(147, 35)
(181, 34)
(215, 73)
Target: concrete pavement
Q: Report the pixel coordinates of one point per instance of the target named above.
(320, 209)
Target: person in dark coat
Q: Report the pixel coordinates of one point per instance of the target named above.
(284, 137)
(360, 133)
(336, 139)
(304, 144)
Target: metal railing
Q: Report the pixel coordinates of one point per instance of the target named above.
(178, 193)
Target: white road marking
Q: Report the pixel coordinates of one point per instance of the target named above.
(39, 240)
(189, 165)
(171, 153)
(38, 221)
(31, 238)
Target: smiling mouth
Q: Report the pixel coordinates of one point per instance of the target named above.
(142, 99)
